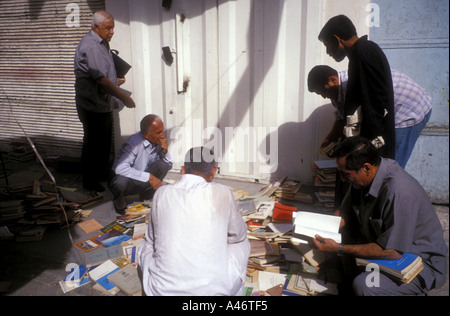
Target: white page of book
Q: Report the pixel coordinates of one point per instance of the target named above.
(310, 224)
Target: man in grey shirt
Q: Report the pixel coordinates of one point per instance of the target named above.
(96, 85)
(385, 213)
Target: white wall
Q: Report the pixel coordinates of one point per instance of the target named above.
(247, 62)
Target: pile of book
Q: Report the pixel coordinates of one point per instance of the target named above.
(324, 172)
(280, 263)
(41, 204)
(11, 210)
(404, 269)
(110, 277)
(290, 190)
(21, 151)
(110, 254)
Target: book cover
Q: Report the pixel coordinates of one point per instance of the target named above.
(283, 213)
(127, 280)
(90, 226)
(76, 274)
(100, 274)
(111, 238)
(89, 244)
(102, 254)
(400, 266)
(114, 226)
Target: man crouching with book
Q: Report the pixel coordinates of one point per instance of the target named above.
(196, 242)
(390, 215)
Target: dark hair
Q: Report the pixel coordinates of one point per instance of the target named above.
(147, 121)
(357, 150)
(199, 160)
(339, 25)
(318, 77)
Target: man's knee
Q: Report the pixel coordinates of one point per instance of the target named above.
(360, 287)
(118, 184)
(160, 168)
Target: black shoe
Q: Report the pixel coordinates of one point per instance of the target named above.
(94, 187)
(121, 211)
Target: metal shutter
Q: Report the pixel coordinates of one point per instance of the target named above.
(37, 47)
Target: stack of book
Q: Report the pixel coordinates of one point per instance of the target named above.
(265, 256)
(21, 151)
(404, 269)
(290, 190)
(138, 209)
(41, 204)
(325, 172)
(325, 197)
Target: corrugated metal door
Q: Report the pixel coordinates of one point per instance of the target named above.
(37, 44)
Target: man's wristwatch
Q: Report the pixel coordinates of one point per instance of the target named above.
(340, 249)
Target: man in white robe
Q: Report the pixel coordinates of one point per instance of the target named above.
(196, 242)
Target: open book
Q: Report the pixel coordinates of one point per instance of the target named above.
(308, 224)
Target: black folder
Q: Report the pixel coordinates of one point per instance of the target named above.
(122, 67)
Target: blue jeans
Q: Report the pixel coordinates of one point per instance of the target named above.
(405, 140)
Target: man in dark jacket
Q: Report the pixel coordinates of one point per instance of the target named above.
(370, 94)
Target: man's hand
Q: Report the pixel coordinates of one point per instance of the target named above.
(154, 182)
(120, 81)
(111, 89)
(326, 244)
(164, 145)
(129, 103)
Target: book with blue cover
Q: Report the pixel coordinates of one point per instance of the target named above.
(405, 268)
(100, 275)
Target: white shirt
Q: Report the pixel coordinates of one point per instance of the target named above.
(196, 242)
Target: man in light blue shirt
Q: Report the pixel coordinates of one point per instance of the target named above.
(141, 163)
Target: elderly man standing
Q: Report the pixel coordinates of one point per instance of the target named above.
(196, 242)
(96, 86)
(141, 163)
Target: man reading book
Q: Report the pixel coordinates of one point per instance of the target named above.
(196, 241)
(386, 213)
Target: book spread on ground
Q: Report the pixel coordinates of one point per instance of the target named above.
(100, 274)
(127, 280)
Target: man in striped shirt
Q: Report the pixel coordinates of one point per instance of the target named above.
(412, 107)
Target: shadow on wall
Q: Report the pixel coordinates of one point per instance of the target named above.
(293, 137)
(251, 81)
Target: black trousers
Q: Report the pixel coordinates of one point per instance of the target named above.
(122, 186)
(97, 143)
